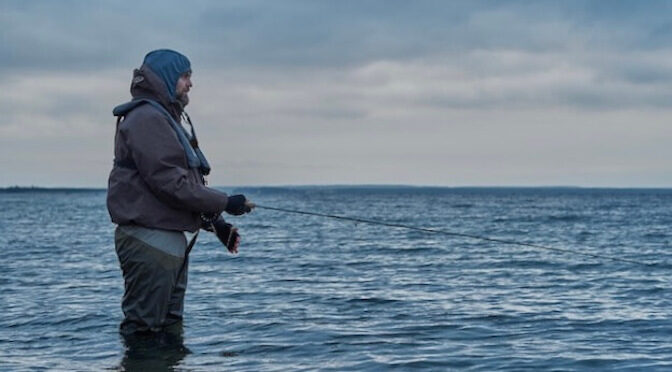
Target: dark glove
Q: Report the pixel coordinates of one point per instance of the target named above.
(237, 205)
(226, 233)
(207, 219)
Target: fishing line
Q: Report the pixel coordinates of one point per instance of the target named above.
(450, 233)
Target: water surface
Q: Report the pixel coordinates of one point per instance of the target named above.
(309, 293)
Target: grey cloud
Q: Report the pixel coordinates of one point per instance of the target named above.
(90, 35)
(585, 96)
(640, 72)
(327, 112)
(491, 47)
(85, 35)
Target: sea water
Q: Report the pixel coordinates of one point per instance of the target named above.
(314, 293)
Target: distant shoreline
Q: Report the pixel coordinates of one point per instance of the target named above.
(17, 189)
(28, 189)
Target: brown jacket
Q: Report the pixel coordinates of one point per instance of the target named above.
(160, 191)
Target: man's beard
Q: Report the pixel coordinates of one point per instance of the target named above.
(183, 99)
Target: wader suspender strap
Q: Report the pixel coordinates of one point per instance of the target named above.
(190, 245)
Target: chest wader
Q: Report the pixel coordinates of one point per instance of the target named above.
(154, 265)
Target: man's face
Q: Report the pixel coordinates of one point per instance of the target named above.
(182, 88)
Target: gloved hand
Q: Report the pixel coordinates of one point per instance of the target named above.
(207, 219)
(238, 205)
(227, 234)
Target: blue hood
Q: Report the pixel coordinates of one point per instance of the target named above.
(169, 65)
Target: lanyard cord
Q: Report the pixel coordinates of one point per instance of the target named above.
(193, 140)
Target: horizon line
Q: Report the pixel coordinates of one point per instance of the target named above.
(363, 185)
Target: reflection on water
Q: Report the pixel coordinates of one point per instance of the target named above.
(154, 351)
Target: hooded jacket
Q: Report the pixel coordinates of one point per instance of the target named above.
(161, 190)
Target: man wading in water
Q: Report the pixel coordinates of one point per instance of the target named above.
(157, 194)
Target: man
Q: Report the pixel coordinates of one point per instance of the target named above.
(157, 194)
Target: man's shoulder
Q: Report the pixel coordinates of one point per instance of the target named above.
(146, 110)
(144, 113)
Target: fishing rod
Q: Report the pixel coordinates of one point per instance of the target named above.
(451, 233)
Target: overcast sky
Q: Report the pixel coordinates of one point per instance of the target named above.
(285, 92)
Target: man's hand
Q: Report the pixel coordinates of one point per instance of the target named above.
(238, 205)
(250, 205)
(227, 234)
(234, 249)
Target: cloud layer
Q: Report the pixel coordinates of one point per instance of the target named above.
(423, 92)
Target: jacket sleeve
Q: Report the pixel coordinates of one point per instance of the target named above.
(162, 164)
